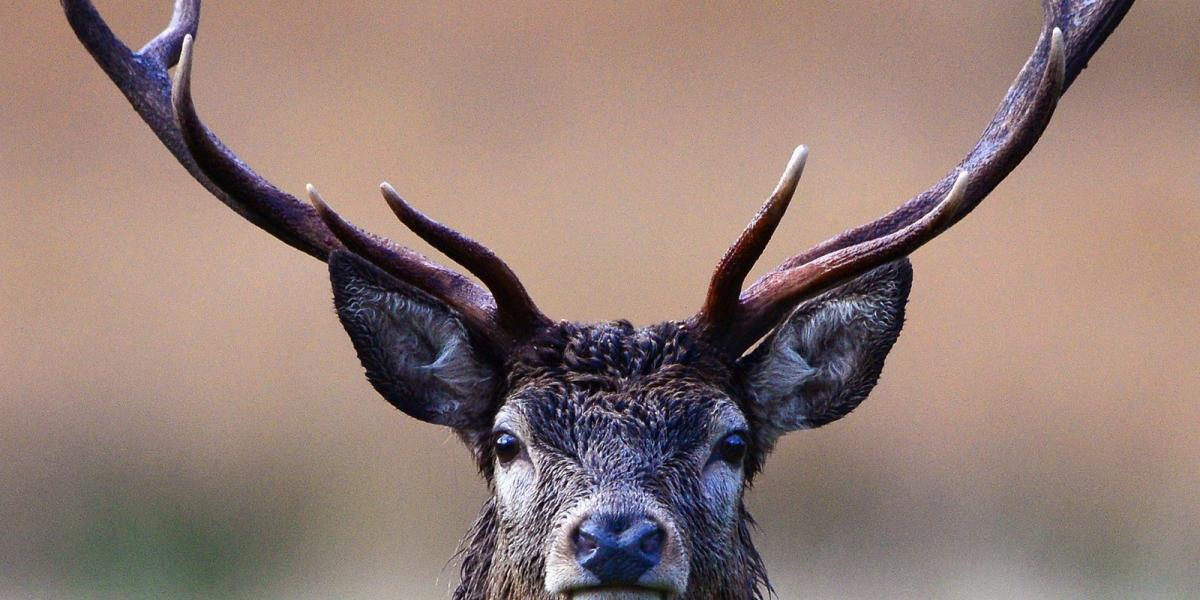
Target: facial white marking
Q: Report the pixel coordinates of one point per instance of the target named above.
(516, 481)
(722, 483)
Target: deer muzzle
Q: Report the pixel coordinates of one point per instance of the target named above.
(623, 550)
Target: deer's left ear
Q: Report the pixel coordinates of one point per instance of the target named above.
(824, 359)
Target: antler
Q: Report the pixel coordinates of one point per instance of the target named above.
(1073, 30)
(504, 314)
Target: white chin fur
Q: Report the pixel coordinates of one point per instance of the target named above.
(618, 594)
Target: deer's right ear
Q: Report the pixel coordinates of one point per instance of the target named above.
(417, 352)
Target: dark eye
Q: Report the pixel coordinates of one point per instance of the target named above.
(733, 448)
(508, 447)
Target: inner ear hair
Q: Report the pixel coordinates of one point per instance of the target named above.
(825, 358)
(417, 352)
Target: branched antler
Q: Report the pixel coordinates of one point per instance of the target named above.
(504, 314)
(1073, 30)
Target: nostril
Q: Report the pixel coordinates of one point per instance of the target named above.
(585, 544)
(651, 542)
(618, 548)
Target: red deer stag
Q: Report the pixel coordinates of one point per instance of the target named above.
(617, 457)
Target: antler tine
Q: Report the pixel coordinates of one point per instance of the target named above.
(1084, 25)
(166, 105)
(142, 77)
(772, 296)
(517, 310)
(1072, 31)
(1015, 128)
(1012, 133)
(166, 46)
(722, 300)
(475, 304)
(272, 209)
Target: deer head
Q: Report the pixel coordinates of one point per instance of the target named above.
(617, 456)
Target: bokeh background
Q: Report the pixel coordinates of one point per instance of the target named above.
(181, 415)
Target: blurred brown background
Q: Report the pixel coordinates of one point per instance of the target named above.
(181, 415)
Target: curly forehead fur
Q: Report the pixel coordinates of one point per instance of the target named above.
(615, 351)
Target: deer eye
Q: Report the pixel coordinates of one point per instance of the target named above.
(508, 447)
(732, 449)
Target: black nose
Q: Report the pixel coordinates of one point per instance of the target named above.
(618, 548)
